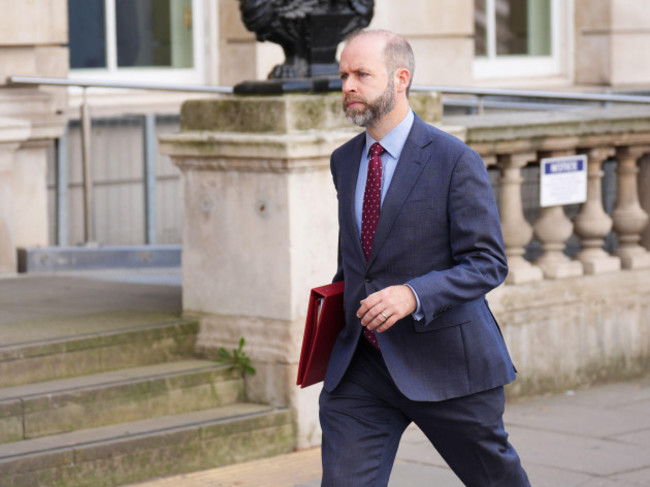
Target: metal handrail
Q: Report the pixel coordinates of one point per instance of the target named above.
(34, 80)
(84, 114)
(557, 95)
(481, 93)
(452, 90)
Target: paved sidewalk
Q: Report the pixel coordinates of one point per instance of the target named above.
(599, 437)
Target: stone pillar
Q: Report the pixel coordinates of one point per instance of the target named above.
(629, 218)
(442, 39)
(34, 124)
(261, 229)
(592, 224)
(553, 229)
(606, 33)
(12, 133)
(30, 194)
(644, 195)
(517, 232)
(33, 42)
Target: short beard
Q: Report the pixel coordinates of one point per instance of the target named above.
(374, 110)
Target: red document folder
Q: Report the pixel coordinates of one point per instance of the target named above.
(325, 319)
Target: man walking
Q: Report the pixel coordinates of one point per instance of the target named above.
(420, 245)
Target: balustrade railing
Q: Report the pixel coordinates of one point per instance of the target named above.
(511, 145)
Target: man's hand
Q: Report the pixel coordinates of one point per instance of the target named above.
(381, 310)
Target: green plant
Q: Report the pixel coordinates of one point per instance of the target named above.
(237, 359)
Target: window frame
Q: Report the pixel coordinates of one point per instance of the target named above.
(112, 72)
(493, 66)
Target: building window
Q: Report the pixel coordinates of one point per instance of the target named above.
(135, 39)
(516, 38)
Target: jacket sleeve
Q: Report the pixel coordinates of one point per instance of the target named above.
(478, 258)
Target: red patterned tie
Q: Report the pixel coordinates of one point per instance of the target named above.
(370, 213)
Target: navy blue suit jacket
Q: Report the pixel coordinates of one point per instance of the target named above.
(438, 231)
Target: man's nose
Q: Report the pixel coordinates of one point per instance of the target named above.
(349, 85)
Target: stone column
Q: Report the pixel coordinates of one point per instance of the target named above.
(517, 232)
(30, 193)
(12, 132)
(553, 229)
(28, 133)
(644, 195)
(261, 229)
(592, 224)
(629, 218)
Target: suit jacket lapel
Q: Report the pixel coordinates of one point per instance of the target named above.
(348, 190)
(408, 170)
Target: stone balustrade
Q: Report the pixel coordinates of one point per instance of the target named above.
(574, 321)
(511, 142)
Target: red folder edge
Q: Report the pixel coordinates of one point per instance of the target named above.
(320, 333)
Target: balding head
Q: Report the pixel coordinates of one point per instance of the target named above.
(396, 51)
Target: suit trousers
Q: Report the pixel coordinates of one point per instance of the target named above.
(364, 417)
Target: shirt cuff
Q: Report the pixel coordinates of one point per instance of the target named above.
(418, 314)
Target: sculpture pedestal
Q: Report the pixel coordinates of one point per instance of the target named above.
(261, 229)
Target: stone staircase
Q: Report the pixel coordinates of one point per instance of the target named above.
(125, 404)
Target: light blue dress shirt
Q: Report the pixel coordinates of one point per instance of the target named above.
(393, 143)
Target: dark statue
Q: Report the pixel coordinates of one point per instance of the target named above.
(309, 32)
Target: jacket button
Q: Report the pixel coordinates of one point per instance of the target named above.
(368, 279)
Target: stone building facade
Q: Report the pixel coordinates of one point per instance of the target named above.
(590, 45)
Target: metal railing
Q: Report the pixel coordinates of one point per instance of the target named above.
(480, 94)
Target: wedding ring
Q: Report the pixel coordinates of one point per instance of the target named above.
(384, 315)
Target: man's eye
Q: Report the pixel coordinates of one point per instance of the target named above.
(344, 76)
(363, 75)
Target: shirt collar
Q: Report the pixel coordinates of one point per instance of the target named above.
(393, 142)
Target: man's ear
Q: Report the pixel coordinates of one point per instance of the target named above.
(402, 79)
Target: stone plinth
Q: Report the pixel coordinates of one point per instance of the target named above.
(261, 228)
(12, 133)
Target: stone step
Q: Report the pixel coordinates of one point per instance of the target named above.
(47, 408)
(131, 452)
(119, 346)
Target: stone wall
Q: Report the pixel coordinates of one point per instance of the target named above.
(611, 42)
(32, 39)
(571, 333)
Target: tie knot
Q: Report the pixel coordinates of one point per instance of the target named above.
(376, 149)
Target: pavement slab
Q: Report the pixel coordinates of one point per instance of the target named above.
(597, 437)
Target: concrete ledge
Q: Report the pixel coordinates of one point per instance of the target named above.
(552, 131)
(283, 114)
(44, 259)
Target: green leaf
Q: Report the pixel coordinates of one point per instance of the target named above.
(238, 360)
